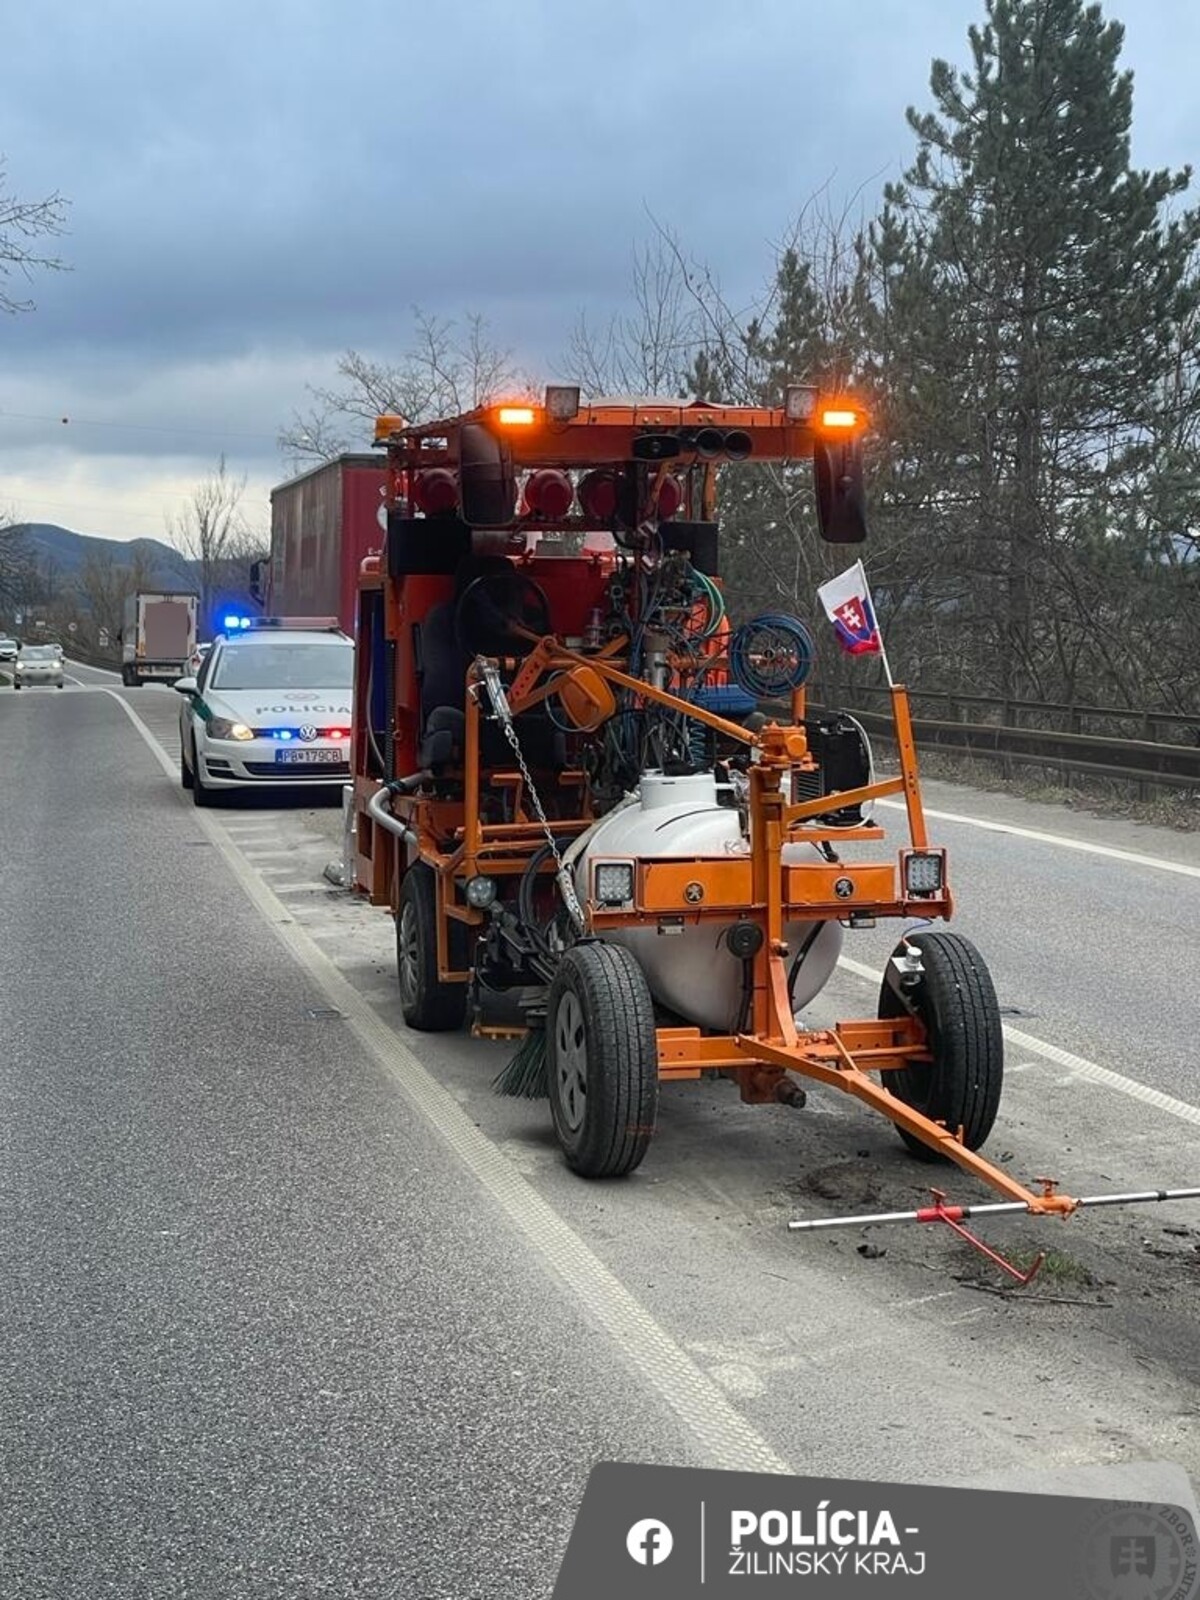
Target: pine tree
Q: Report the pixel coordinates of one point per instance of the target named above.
(1031, 290)
(808, 331)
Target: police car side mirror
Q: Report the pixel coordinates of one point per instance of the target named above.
(185, 685)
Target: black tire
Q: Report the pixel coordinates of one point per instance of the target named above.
(602, 1060)
(186, 777)
(16, 683)
(957, 1003)
(202, 795)
(427, 1004)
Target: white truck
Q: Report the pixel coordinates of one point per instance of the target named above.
(158, 636)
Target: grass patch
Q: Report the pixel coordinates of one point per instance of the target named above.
(1058, 1268)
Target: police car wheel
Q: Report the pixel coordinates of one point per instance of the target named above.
(202, 795)
(185, 772)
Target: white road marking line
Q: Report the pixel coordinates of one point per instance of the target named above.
(727, 1439)
(1077, 1065)
(1083, 845)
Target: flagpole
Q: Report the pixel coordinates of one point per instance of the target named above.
(887, 666)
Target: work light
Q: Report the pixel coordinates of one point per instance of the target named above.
(923, 873)
(612, 883)
(481, 892)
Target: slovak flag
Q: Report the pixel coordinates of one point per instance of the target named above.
(847, 602)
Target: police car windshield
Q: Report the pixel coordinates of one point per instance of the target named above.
(276, 664)
(40, 652)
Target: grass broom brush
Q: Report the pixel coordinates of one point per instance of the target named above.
(526, 1077)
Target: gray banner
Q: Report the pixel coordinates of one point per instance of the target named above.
(670, 1533)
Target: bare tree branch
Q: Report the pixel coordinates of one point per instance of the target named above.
(450, 368)
(16, 564)
(211, 531)
(22, 223)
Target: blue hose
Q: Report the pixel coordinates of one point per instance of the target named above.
(771, 654)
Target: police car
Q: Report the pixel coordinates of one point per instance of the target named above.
(270, 705)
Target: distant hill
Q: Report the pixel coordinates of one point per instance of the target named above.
(170, 569)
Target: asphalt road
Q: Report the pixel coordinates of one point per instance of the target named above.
(259, 1337)
(349, 1209)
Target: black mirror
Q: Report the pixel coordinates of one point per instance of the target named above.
(841, 498)
(257, 589)
(487, 484)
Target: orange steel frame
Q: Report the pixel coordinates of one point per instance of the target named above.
(761, 888)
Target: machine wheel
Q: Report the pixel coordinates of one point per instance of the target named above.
(957, 1003)
(202, 795)
(186, 776)
(427, 1004)
(602, 1060)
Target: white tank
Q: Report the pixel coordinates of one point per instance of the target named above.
(692, 973)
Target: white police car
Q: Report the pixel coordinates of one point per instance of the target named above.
(270, 705)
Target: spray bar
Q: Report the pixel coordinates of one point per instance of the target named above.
(939, 1212)
(955, 1216)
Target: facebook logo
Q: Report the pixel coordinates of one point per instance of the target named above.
(649, 1542)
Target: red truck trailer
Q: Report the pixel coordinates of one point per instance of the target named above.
(322, 525)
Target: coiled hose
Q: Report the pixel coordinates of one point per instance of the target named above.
(771, 654)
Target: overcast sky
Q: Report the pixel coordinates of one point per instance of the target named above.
(256, 187)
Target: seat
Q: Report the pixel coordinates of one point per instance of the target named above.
(442, 666)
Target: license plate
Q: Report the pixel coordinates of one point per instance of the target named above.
(308, 758)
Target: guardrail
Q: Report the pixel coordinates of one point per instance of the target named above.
(1074, 715)
(1148, 763)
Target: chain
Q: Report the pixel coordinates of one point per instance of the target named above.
(566, 884)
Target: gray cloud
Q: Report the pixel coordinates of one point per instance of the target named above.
(255, 187)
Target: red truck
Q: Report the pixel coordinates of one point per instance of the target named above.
(322, 525)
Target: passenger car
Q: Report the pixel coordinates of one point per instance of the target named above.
(270, 706)
(8, 649)
(38, 663)
(196, 660)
